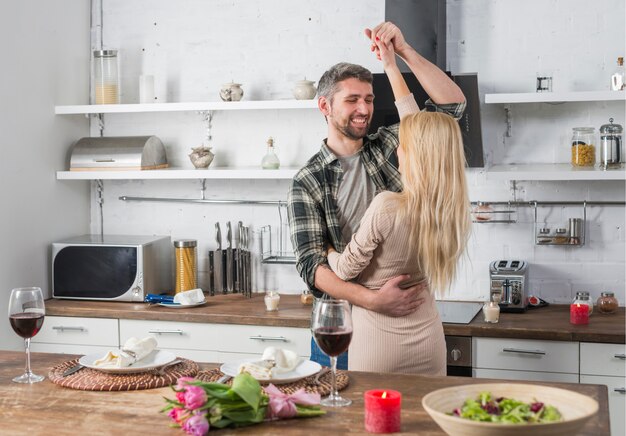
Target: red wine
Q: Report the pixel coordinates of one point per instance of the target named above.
(26, 324)
(332, 340)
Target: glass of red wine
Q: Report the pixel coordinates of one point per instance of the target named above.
(26, 313)
(332, 330)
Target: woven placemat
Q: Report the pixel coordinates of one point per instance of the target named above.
(308, 383)
(88, 379)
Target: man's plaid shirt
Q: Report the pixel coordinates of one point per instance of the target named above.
(312, 200)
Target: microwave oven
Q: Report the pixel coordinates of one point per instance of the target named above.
(111, 267)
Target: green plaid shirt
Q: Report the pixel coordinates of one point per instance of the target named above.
(312, 200)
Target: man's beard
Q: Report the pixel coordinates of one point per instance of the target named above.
(352, 132)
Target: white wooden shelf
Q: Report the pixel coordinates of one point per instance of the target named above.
(555, 97)
(180, 107)
(180, 174)
(552, 172)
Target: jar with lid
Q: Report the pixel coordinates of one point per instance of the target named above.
(544, 236)
(270, 160)
(561, 237)
(482, 212)
(186, 264)
(583, 147)
(607, 303)
(106, 78)
(611, 145)
(583, 298)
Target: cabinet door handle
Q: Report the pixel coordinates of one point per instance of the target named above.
(518, 350)
(620, 390)
(166, 332)
(62, 328)
(269, 338)
(620, 356)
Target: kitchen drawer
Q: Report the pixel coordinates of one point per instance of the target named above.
(69, 349)
(218, 337)
(525, 355)
(79, 331)
(602, 359)
(525, 375)
(617, 399)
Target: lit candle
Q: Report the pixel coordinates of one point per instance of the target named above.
(382, 411)
(579, 314)
(271, 301)
(491, 311)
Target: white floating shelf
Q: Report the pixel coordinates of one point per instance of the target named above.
(180, 174)
(555, 97)
(181, 107)
(552, 172)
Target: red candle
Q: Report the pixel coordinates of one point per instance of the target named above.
(382, 411)
(579, 314)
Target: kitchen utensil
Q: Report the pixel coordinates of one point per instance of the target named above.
(72, 370)
(223, 379)
(229, 258)
(211, 273)
(509, 281)
(611, 145)
(247, 263)
(218, 265)
(161, 370)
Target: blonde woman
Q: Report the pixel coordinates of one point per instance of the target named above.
(421, 231)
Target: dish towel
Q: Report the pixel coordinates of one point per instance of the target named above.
(133, 351)
(193, 296)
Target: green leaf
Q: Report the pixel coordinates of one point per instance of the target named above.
(248, 389)
(309, 411)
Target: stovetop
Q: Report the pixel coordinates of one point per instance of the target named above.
(458, 312)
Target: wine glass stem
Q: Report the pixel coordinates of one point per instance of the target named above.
(27, 345)
(333, 370)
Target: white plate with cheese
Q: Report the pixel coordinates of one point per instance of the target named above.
(304, 369)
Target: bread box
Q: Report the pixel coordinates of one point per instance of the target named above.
(118, 153)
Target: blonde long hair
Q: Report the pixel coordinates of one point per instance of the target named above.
(434, 199)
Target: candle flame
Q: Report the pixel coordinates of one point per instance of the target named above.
(577, 304)
(384, 395)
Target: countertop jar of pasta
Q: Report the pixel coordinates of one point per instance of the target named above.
(583, 147)
(186, 264)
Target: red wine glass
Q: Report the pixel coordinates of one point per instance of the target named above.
(332, 330)
(26, 313)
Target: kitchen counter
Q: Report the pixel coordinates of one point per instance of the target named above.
(547, 323)
(46, 408)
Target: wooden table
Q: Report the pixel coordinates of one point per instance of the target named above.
(48, 409)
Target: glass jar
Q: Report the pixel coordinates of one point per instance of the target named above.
(583, 298)
(561, 237)
(482, 212)
(186, 264)
(611, 145)
(544, 236)
(270, 160)
(607, 303)
(106, 80)
(583, 147)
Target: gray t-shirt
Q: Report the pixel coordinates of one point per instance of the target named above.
(356, 191)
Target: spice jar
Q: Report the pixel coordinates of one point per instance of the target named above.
(186, 264)
(106, 76)
(583, 147)
(607, 303)
(583, 298)
(306, 297)
(482, 212)
(544, 236)
(561, 236)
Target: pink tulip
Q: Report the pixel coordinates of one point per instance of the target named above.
(197, 425)
(177, 414)
(195, 397)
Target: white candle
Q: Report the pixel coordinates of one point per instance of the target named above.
(491, 311)
(271, 300)
(146, 89)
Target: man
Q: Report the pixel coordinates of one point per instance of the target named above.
(329, 195)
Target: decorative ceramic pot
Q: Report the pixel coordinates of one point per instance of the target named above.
(201, 157)
(304, 90)
(231, 92)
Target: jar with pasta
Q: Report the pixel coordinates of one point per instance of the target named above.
(583, 147)
(186, 264)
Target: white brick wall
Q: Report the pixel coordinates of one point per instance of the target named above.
(194, 46)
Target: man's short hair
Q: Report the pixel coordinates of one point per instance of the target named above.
(327, 85)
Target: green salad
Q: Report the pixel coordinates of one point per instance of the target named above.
(506, 410)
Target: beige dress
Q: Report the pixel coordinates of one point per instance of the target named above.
(379, 251)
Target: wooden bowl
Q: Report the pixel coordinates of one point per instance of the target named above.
(575, 408)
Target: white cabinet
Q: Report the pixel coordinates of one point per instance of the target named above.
(74, 335)
(217, 342)
(605, 364)
(521, 359)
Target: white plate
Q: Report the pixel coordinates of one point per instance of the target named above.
(304, 369)
(155, 359)
(181, 306)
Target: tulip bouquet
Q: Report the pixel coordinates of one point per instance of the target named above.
(201, 405)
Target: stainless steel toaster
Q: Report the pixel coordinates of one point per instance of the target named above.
(509, 283)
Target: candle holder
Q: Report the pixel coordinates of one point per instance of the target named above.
(382, 411)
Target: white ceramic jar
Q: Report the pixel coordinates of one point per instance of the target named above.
(231, 92)
(304, 90)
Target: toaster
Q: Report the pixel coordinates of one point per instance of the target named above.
(509, 284)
